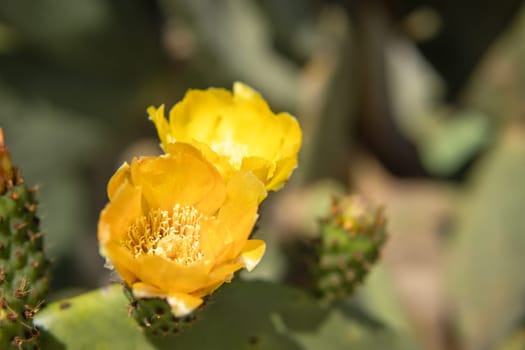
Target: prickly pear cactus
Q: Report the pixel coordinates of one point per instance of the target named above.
(351, 239)
(23, 265)
(154, 316)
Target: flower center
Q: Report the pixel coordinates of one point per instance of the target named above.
(172, 234)
(233, 150)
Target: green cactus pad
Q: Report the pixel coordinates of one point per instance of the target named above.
(241, 315)
(350, 242)
(23, 266)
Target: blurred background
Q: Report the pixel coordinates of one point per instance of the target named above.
(418, 105)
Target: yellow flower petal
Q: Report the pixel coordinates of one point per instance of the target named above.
(158, 272)
(238, 126)
(181, 304)
(284, 167)
(260, 167)
(209, 290)
(120, 176)
(116, 218)
(221, 163)
(252, 253)
(214, 242)
(239, 212)
(223, 273)
(144, 290)
(170, 276)
(156, 115)
(184, 177)
(120, 261)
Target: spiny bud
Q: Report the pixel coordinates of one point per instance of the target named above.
(23, 265)
(351, 238)
(154, 315)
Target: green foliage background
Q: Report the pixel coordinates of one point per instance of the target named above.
(417, 104)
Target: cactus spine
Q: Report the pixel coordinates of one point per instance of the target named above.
(23, 265)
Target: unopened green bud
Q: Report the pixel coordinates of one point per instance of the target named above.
(351, 239)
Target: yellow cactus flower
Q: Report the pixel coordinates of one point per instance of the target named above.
(237, 131)
(174, 228)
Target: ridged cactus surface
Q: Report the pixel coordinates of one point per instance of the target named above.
(23, 265)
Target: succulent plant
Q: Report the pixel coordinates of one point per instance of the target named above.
(23, 264)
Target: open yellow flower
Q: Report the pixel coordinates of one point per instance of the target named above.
(235, 130)
(175, 229)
